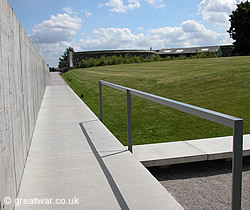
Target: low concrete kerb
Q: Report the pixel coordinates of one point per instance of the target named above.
(188, 151)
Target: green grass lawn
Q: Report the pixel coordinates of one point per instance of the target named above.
(219, 84)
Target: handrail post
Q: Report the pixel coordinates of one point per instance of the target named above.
(100, 101)
(237, 164)
(129, 121)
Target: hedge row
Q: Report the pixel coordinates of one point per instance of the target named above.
(116, 60)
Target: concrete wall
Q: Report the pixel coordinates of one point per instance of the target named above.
(23, 75)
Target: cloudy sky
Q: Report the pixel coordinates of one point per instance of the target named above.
(54, 25)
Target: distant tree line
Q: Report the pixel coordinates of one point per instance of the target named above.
(116, 60)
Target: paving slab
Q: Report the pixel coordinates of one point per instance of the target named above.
(188, 151)
(73, 155)
(221, 147)
(167, 153)
(246, 145)
(54, 80)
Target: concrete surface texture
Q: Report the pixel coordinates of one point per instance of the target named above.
(23, 75)
(188, 151)
(74, 156)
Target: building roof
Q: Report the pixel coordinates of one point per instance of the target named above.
(116, 51)
(191, 50)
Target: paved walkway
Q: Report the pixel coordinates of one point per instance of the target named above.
(188, 151)
(74, 156)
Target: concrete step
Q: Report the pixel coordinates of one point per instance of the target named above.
(188, 151)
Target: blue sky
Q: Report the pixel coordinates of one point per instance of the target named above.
(54, 25)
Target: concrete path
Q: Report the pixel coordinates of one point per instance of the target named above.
(188, 151)
(75, 159)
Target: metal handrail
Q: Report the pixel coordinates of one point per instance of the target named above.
(229, 121)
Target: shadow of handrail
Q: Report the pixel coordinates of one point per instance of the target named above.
(121, 201)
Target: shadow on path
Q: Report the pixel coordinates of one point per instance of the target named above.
(121, 201)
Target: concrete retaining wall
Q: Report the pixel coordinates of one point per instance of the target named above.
(23, 75)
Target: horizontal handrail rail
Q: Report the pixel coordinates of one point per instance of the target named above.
(217, 117)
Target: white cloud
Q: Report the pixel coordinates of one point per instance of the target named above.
(61, 27)
(100, 5)
(195, 34)
(54, 35)
(68, 10)
(119, 7)
(112, 38)
(52, 51)
(189, 33)
(140, 28)
(156, 3)
(87, 13)
(217, 11)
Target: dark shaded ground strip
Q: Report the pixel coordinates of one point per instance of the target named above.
(121, 201)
